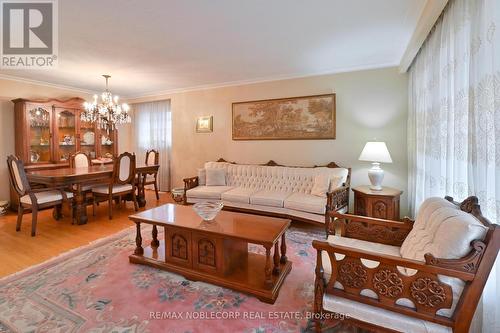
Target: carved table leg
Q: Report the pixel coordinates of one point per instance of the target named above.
(155, 242)
(276, 258)
(138, 240)
(141, 195)
(283, 259)
(268, 269)
(80, 208)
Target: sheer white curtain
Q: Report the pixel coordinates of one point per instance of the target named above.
(454, 121)
(153, 130)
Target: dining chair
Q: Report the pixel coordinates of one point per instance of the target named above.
(152, 158)
(79, 160)
(34, 200)
(122, 183)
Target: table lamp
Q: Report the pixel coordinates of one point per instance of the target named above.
(375, 152)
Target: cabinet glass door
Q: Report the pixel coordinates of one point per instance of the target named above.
(88, 139)
(39, 134)
(107, 143)
(66, 134)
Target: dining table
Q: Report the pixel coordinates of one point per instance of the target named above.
(76, 178)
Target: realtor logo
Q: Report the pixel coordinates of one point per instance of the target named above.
(29, 34)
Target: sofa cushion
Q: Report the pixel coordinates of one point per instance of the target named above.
(443, 230)
(381, 317)
(269, 198)
(207, 192)
(306, 203)
(215, 177)
(202, 177)
(238, 194)
(321, 185)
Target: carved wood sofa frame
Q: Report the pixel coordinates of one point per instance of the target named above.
(336, 200)
(474, 269)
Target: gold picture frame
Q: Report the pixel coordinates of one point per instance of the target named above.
(293, 118)
(205, 124)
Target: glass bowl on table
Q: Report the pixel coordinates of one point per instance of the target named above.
(208, 210)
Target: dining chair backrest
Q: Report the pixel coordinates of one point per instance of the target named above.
(17, 175)
(124, 169)
(79, 160)
(152, 157)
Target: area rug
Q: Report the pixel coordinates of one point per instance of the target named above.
(96, 289)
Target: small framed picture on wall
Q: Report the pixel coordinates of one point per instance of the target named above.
(205, 124)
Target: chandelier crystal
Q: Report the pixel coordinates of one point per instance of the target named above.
(108, 112)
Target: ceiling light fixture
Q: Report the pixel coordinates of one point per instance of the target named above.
(108, 113)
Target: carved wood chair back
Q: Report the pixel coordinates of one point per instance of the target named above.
(124, 169)
(79, 160)
(17, 175)
(152, 157)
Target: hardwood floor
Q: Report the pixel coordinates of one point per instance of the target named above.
(18, 250)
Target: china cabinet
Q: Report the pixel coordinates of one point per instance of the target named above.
(47, 132)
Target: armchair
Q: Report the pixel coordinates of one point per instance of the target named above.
(401, 276)
(34, 199)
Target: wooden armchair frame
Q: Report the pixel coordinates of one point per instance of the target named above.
(474, 269)
(19, 181)
(336, 200)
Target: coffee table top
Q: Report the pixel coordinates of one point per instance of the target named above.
(248, 227)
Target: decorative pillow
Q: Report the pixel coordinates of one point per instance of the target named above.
(202, 177)
(216, 177)
(321, 185)
(336, 182)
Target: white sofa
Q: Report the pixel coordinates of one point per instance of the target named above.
(273, 190)
(411, 284)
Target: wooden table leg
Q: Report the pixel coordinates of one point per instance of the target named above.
(141, 195)
(138, 240)
(155, 242)
(268, 270)
(80, 215)
(283, 259)
(276, 258)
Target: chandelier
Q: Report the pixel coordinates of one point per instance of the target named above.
(107, 113)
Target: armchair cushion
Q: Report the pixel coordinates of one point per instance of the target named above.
(207, 192)
(443, 230)
(306, 203)
(381, 317)
(45, 196)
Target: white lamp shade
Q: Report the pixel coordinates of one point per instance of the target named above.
(375, 152)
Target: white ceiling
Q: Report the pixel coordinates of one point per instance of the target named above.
(156, 46)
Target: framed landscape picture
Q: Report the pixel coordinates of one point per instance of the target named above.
(296, 118)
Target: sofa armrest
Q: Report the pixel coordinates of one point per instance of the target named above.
(369, 228)
(189, 183)
(423, 288)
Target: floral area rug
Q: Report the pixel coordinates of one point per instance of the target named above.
(96, 289)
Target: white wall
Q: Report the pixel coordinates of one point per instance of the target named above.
(370, 105)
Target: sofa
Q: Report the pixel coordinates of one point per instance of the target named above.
(298, 193)
(416, 276)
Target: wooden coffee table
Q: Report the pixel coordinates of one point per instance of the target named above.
(217, 251)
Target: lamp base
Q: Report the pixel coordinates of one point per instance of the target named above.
(376, 175)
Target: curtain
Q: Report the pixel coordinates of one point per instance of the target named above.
(153, 130)
(454, 121)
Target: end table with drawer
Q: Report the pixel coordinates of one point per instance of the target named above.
(383, 204)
